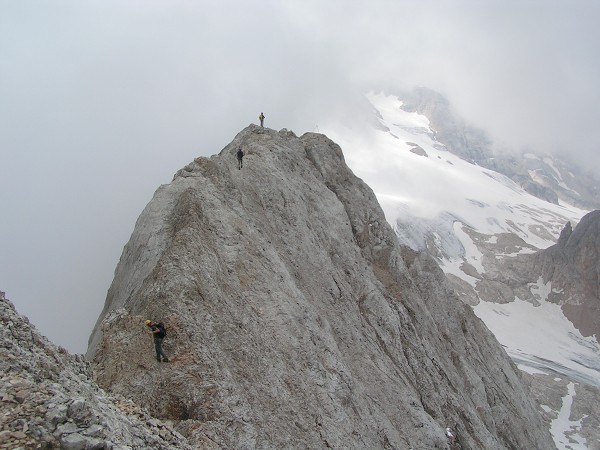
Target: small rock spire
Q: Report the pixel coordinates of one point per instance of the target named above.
(565, 234)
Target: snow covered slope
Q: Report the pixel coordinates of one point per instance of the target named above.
(414, 176)
(471, 219)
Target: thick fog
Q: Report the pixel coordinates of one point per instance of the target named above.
(103, 101)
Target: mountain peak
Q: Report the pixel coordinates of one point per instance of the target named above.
(572, 267)
(565, 234)
(295, 318)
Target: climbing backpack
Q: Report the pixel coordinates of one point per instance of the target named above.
(162, 331)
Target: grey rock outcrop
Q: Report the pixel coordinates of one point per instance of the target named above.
(49, 401)
(295, 318)
(573, 267)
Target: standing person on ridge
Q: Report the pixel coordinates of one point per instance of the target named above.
(262, 119)
(240, 155)
(159, 332)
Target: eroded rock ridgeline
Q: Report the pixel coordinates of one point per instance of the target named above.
(49, 401)
(295, 318)
(572, 266)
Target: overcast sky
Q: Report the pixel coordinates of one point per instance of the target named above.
(103, 101)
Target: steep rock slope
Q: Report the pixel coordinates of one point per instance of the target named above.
(573, 268)
(49, 401)
(295, 318)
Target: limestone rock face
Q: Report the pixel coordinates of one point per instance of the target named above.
(573, 267)
(296, 320)
(49, 401)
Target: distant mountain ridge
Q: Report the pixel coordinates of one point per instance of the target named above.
(547, 177)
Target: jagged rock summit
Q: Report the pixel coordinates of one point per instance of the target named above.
(295, 318)
(572, 267)
(569, 267)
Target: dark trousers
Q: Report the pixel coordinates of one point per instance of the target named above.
(159, 351)
(239, 163)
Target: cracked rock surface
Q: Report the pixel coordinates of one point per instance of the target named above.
(49, 401)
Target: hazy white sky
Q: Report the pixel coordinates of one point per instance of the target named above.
(103, 101)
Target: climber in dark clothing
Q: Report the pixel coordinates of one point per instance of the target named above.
(240, 155)
(262, 119)
(159, 332)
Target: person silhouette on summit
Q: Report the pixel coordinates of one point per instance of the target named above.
(262, 119)
(240, 155)
(159, 332)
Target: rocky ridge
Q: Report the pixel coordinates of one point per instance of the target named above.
(572, 266)
(296, 319)
(49, 400)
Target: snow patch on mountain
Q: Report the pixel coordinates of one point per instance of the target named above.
(472, 254)
(565, 431)
(540, 290)
(442, 187)
(541, 338)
